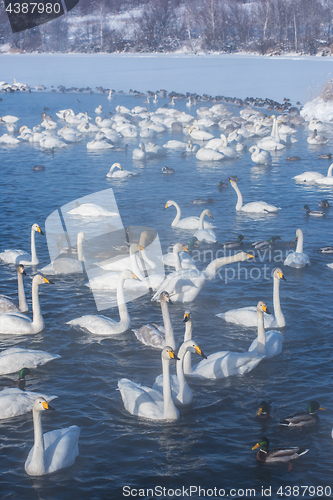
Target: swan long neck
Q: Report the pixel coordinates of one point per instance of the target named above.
(239, 197)
(135, 267)
(178, 215)
(261, 344)
(176, 257)
(34, 258)
(38, 451)
(187, 363)
(275, 130)
(169, 336)
(183, 385)
(215, 265)
(122, 307)
(23, 306)
(80, 255)
(279, 317)
(330, 171)
(170, 411)
(37, 318)
(201, 220)
(299, 246)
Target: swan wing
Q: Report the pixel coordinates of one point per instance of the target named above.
(15, 402)
(140, 400)
(246, 316)
(259, 207)
(151, 336)
(226, 363)
(274, 341)
(14, 322)
(14, 358)
(11, 256)
(100, 325)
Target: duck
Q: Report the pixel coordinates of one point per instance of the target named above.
(229, 245)
(21, 257)
(253, 207)
(168, 170)
(20, 383)
(266, 244)
(18, 323)
(205, 235)
(7, 304)
(14, 402)
(12, 359)
(150, 403)
(325, 156)
(186, 284)
(266, 410)
(119, 173)
(247, 316)
(101, 325)
(53, 450)
(224, 364)
(328, 180)
(302, 419)
(293, 158)
(68, 265)
(265, 455)
(313, 176)
(314, 213)
(324, 204)
(260, 157)
(298, 258)
(327, 249)
(187, 222)
(154, 336)
(91, 210)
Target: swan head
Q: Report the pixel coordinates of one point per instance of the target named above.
(261, 307)
(192, 346)
(242, 256)
(178, 247)
(116, 165)
(168, 353)
(165, 297)
(168, 204)
(20, 269)
(127, 274)
(278, 274)
(41, 404)
(299, 234)
(208, 213)
(40, 280)
(187, 316)
(81, 236)
(36, 228)
(135, 248)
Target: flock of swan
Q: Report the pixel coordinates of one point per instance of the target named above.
(169, 393)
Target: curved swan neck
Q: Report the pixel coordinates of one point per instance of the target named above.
(187, 362)
(299, 246)
(170, 411)
(80, 255)
(201, 220)
(34, 258)
(261, 343)
(135, 267)
(239, 203)
(23, 306)
(213, 267)
(330, 171)
(279, 317)
(122, 307)
(37, 318)
(38, 451)
(176, 257)
(177, 218)
(169, 336)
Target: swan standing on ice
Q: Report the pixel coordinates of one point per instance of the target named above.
(188, 222)
(19, 256)
(254, 206)
(101, 325)
(120, 173)
(7, 304)
(17, 323)
(53, 450)
(298, 258)
(247, 316)
(151, 403)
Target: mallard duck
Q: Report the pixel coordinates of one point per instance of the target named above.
(277, 454)
(266, 410)
(300, 419)
(234, 244)
(325, 156)
(7, 382)
(314, 213)
(324, 204)
(293, 158)
(328, 249)
(266, 244)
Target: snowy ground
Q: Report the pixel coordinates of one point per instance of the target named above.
(294, 77)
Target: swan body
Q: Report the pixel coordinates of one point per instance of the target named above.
(185, 285)
(91, 210)
(316, 139)
(312, 176)
(14, 402)
(151, 403)
(206, 154)
(200, 135)
(247, 316)
(53, 450)
(298, 258)
(260, 157)
(277, 454)
(102, 325)
(175, 145)
(328, 180)
(205, 235)
(253, 207)
(7, 304)
(12, 359)
(119, 173)
(17, 323)
(188, 222)
(20, 257)
(182, 259)
(139, 153)
(67, 265)
(99, 144)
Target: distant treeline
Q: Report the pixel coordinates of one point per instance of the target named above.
(261, 26)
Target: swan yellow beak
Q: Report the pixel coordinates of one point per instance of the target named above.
(39, 230)
(48, 281)
(46, 406)
(281, 276)
(186, 317)
(250, 256)
(199, 351)
(166, 206)
(210, 215)
(135, 277)
(256, 446)
(184, 248)
(141, 247)
(173, 355)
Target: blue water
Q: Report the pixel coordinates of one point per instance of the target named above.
(210, 446)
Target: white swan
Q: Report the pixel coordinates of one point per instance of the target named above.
(119, 173)
(139, 153)
(53, 450)
(266, 343)
(273, 142)
(247, 316)
(298, 258)
(188, 222)
(103, 123)
(14, 402)
(221, 145)
(228, 363)
(205, 235)
(260, 157)
(182, 259)
(185, 285)
(313, 176)
(101, 325)
(316, 139)
(19, 256)
(7, 304)
(200, 135)
(151, 403)
(152, 335)
(206, 154)
(17, 323)
(91, 210)
(254, 206)
(12, 359)
(99, 144)
(328, 180)
(67, 265)
(175, 145)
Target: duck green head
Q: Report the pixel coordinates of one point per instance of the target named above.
(263, 408)
(192, 242)
(24, 372)
(275, 238)
(263, 444)
(306, 207)
(240, 238)
(313, 406)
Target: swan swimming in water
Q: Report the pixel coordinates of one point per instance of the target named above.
(14, 402)
(7, 304)
(254, 206)
(326, 181)
(119, 173)
(247, 316)
(91, 210)
(188, 222)
(19, 256)
(151, 403)
(205, 235)
(67, 265)
(298, 258)
(313, 176)
(12, 359)
(53, 450)
(260, 157)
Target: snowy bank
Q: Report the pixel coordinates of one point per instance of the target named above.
(318, 109)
